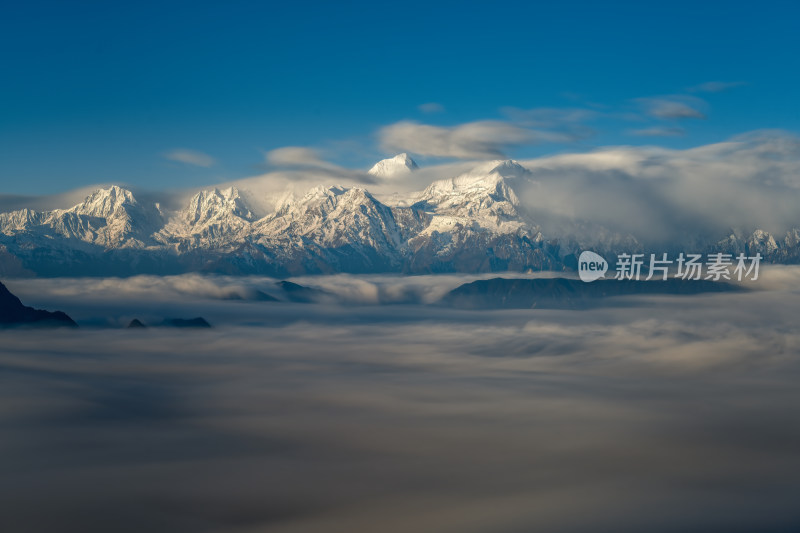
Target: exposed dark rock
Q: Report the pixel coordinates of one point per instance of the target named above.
(501, 293)
(301, 294)
(252, 295)
(13, 313)
(197, 322)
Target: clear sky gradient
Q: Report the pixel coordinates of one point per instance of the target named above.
(175, 94)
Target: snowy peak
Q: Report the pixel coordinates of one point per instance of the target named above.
(398, 165)
(508, 169)
(312, 198)
(105, 203)
(322, 193)
(762, 241)
(213, 218)
(486, 180)
(336, 217)
(323, 199)
(19, 220)
(109, 218)
(481, 198)
(216, 204)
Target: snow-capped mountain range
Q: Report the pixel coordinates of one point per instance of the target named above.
(473, 222)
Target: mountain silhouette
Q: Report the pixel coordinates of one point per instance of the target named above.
(563, 293)
(197, 322)
(13, 312)
(300, 293)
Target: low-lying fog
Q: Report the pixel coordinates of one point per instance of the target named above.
(659, 414)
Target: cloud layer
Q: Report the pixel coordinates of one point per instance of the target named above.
(659, 415)
(431, 107)
(296, 156)
(673, 107)
(665, 195)
(474, 140)
(717, 86)
(190, 157)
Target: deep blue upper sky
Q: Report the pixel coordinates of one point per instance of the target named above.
(97, 92)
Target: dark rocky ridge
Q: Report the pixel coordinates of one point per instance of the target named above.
(13, 313)
(197, 322)
(563, 293)
(300, 293)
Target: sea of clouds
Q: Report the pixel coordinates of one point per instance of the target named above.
(659, 414)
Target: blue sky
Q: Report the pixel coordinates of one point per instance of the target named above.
(177, 94)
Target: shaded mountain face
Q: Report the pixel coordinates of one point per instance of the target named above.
(14, 313)
(469, 223)
(563, 293)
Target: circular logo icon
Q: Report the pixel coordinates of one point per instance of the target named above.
(591, 266)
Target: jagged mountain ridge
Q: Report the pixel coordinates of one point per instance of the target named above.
(110, 218)
(212, 218)
(473, 222)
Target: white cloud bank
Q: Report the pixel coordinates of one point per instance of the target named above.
(659, 131)
(431, 107)
(673, 107)
(751, 181)
(296, 156)
(716, 86)
(485, 139)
